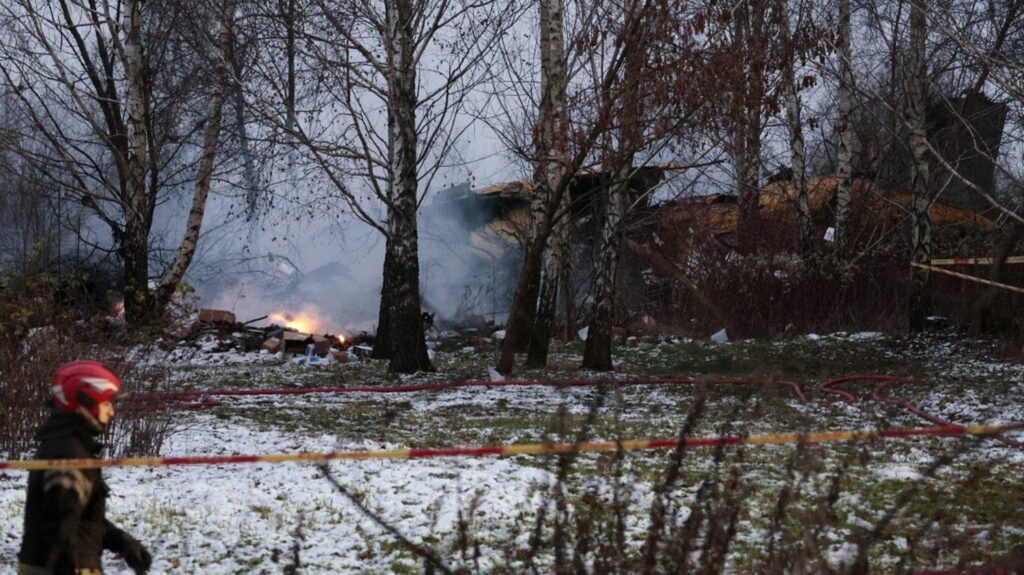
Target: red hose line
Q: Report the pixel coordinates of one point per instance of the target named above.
(879, 396)
(827, 385)
(190, 395)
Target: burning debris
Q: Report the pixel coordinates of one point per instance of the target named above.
(305, 337)
(292, 336)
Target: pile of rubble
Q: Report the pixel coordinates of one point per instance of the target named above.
(219, 331)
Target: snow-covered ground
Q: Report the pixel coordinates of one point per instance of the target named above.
(252, 518)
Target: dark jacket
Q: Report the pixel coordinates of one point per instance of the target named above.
(65, 524)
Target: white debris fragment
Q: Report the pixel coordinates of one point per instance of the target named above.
(494, 375)
(583, 333)
(866, 336)
(720, 336)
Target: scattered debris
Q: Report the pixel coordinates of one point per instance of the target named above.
(361, 351)
(720, 336)
(272, 345)
(217, 316)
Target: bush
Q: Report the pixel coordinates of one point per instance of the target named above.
(26, 367)
(711, 519)
(38, 335)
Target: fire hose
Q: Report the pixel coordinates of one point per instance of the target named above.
(198, 399)
(518, 449)
(201, 399)
(880, 395)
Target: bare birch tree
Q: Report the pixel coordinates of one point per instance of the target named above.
(87, 78)
(207, 158)
(384, 83)
(921, 187)
(794, 122)
(524, 298)
(551, 163)
(844, 156)
(615, 199)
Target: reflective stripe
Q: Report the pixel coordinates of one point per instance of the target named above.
(70, 479)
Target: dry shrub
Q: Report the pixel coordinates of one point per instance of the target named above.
(771, 294)
(774, 292)
(38, 335)
(23, 396)
(711, 519)
(599, 524)
(26, 368)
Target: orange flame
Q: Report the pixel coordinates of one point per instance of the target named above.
(302, 321)
(341, 339)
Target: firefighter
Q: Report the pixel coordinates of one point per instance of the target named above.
(66, 529)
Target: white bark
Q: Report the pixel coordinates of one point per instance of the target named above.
(799, 163)
(844, 169)
(798, 158)
(747, 126)
(135, 107)
(408, 347)
(134, 247)
(552, 135)
(920, 234)
(552, 159)
(597, 352)
(211, 139)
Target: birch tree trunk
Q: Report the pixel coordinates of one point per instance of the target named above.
(207, 159)
(844, 168)
(526, 286)
(597, 353)
(921, 225)
(746, 137)
(521, 325)
(249, 177)
(799, 161)
(381, 341)
(796, 148)
(555, 266)
(551, 157)
(747, 157)
(134, 245)
(408, 347)
(522, 301)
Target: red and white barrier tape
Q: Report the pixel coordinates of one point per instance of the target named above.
(521, 449)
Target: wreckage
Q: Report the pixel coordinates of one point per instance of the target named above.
(285, 340)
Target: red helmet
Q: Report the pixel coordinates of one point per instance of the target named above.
(83, 383)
